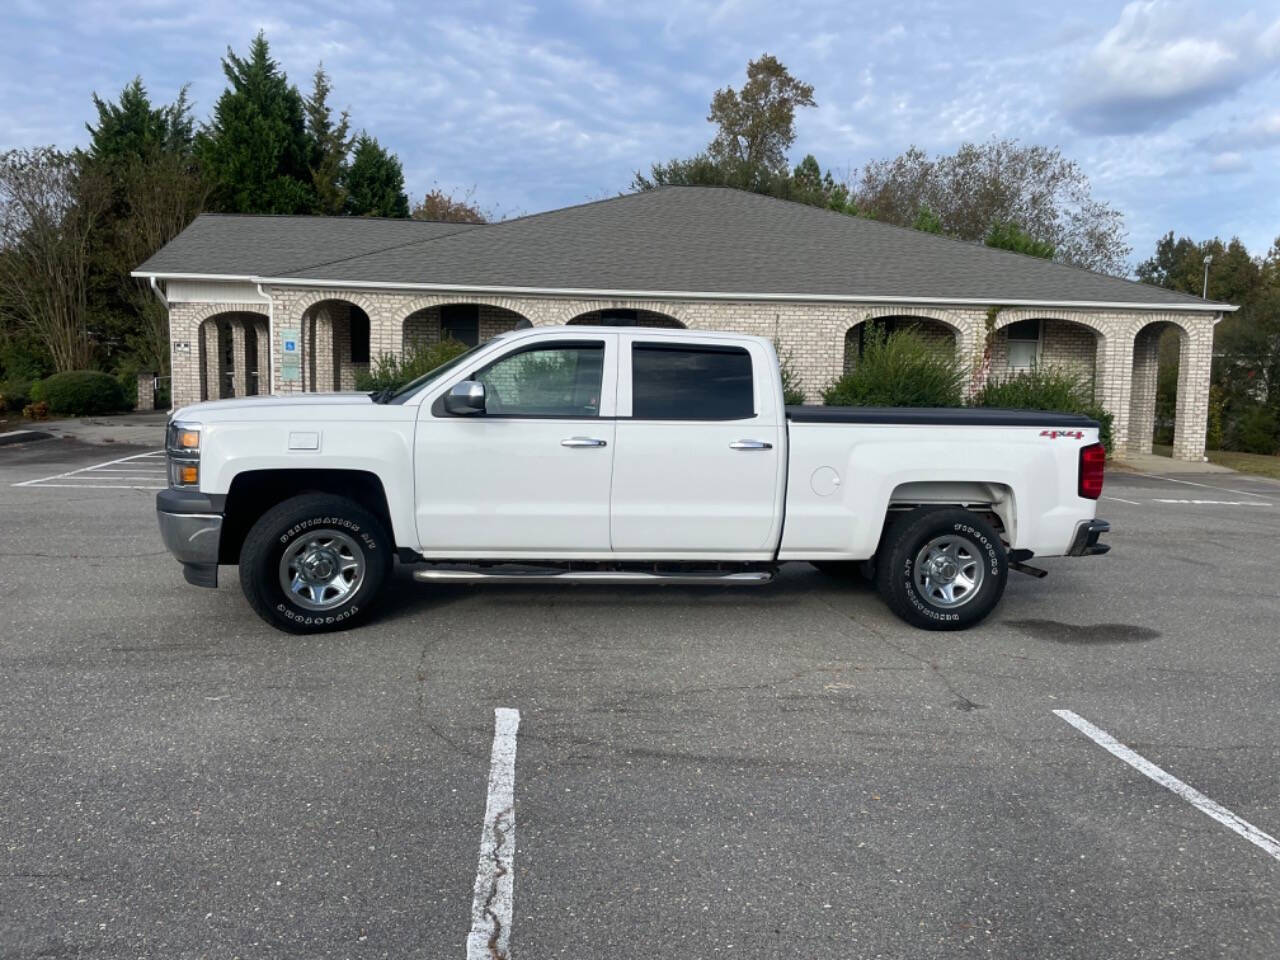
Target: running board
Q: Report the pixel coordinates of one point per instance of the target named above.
(739, 579)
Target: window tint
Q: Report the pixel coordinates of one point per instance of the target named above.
(673, 382)
(556, 380)
(461, 322)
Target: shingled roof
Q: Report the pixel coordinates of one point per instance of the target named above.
(672, 241)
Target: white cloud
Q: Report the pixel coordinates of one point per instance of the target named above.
(1164, 59)
(1228, 162)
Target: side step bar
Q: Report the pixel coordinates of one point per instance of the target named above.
(749, 578)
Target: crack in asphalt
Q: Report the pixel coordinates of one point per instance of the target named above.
(499, 871)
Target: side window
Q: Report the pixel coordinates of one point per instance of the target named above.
(553, 380)
(677, 382)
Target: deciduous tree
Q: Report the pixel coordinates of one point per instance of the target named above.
(756, 125)
(49, 206)
(1001, 181)
(438, 205)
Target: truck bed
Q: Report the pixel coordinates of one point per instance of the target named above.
(941, 416)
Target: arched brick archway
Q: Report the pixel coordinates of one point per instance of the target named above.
(231, 348)
(1160, 346)
(940, 333)
(336, 344)
(1023, 343)
(468, 323)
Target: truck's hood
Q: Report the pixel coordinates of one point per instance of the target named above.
(269, 407)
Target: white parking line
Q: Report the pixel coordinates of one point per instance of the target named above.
(1123, 500)
(111, 475)
(1207, 486)
(1215, 503)
(1193, 796)
(490, 936)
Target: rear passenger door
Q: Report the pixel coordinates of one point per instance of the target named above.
(697, 467)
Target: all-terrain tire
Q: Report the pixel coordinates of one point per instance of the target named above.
(904, 570)
(320, 533)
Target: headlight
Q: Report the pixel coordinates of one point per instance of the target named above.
(182, 446)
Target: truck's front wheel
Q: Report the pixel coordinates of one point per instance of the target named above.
(313, 563)
(942, 568)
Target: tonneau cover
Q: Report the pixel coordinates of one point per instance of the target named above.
(940, 416)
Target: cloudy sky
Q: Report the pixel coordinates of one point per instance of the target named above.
(1171, 106)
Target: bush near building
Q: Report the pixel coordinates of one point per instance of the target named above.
(905, 370)
(81, 392)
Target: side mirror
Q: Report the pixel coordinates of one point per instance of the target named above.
(465, 398)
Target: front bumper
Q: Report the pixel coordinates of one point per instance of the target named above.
(191, 527)
(1085, 542)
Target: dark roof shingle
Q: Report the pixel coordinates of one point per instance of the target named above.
(676, 239)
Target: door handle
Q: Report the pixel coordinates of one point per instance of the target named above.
(583, 442)
(750, 445)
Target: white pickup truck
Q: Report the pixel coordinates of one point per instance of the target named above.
(619, 456)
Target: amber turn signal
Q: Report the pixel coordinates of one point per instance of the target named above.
(189, 439)
(189, 474)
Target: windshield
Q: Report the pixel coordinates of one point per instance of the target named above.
(416, 384)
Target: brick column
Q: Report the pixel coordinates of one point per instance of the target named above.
(323, 361)
(1113, 383)
(239, 357)
(259, 331)
(1142, 404)
(213, 366)
(146, 398)
(386, 324)
(1195, 365)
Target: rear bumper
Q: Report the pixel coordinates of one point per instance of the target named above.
(1085, 542)
(191, 527)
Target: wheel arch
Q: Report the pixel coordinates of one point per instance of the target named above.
(993, 499)
(253, 492)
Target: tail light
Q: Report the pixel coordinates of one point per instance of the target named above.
(1093, 460)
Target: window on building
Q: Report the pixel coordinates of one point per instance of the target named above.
(1024, 344)
(552, 380)
(359, 336)
(461, 322)
(678, 382)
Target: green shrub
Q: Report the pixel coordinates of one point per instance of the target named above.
(391, 372)
(899, 370)
(1045, 388)
(81, 392)
(14, 395)
(1256, 430)
(792, 392)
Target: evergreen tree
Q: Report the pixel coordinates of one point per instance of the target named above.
(330, 146)
(130, 128)
(375, 181)
(255, 149)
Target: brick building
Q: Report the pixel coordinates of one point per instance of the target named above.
(288, 304)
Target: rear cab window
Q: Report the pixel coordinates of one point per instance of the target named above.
(679, 381)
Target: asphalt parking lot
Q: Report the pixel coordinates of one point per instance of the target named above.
(698, 773)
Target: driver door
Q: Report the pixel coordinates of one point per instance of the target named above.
(529, 477)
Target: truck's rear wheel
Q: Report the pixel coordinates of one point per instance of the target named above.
(313, 563)
(942, 568)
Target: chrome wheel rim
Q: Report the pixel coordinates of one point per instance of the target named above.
(322, 570)
(949, 571)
